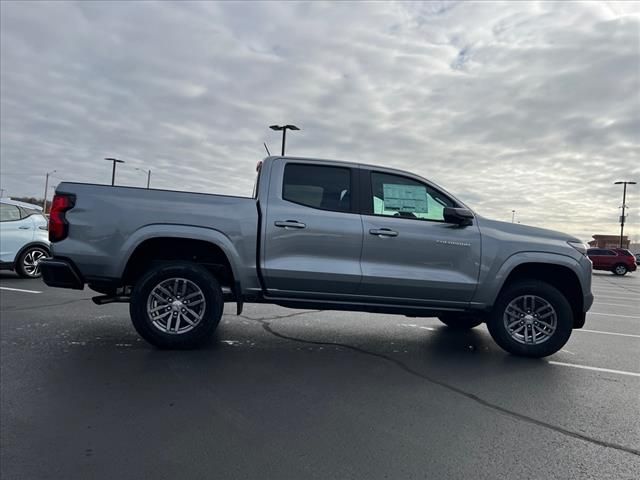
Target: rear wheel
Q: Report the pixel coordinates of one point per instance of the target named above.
(176, 305)
(620, 269)
(531, 319)
(460, 321)
(28, 265)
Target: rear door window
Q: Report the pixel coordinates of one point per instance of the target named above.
(9, 213)
(318, 186)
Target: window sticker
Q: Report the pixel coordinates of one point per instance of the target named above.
(405, 198)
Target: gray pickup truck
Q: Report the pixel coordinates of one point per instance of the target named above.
(317, 234)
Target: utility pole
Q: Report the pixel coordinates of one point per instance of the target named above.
(113, 172)
(624, 200)
(46, 187)
(284, 129)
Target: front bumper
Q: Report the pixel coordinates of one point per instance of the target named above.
(61, 273)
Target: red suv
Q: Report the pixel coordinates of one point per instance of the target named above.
(616, 260)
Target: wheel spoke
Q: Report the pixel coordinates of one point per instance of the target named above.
(165, 291)
(161, 316)
(158, 308)
(192, 295)
(160, 298)
(512, 324)
(191, 312)
(516, 308)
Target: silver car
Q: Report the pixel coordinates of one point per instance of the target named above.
(24, 240)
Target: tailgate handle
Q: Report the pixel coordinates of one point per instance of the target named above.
(383, 232)
(289, 224)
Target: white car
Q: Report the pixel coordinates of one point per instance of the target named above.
(24, 239)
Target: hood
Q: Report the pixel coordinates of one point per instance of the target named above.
(518, 229)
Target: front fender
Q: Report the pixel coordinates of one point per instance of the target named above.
(496, 275)
(211, 235)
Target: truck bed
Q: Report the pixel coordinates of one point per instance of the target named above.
(107, 223)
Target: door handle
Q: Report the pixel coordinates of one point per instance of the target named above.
(289, 224)
(383, 232)
(24, 228)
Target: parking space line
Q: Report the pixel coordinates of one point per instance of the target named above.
(597, 369)
(19, 290)
(629, 297)
(606, 333)
(617, 305)
(613, 315)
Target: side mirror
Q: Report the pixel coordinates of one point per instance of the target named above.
(458, 216)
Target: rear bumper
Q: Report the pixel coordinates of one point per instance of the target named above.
(61, 273)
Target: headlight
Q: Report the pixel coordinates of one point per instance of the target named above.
(579, 246)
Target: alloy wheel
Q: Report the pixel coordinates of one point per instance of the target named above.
(31, 262)
(530, 319)
(176, 306)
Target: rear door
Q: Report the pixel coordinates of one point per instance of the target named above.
(410, 254)
(312, 230)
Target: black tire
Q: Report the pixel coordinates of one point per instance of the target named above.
(564, 319)
(620, 269)
(27, 264)
(210, 312)
(461, 321)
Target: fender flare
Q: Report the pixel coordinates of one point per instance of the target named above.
(495, 280)
(210, 235)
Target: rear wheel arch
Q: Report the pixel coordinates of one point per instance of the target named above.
(31, 245)
(165, 249)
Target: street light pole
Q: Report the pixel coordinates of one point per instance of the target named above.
(148, 172)
(113, 172)
(624, 201)
(46, 187)
(284, 129)
(513, 216)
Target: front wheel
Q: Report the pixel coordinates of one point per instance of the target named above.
(531, 319)
(176, 305)
(28, 265)
(620, 270)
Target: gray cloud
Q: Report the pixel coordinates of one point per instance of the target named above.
(526, 106)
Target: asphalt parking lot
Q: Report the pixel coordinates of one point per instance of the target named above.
(301, 394)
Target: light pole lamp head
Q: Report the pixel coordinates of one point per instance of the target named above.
(621, 183)
(114, 160)
(283, 127)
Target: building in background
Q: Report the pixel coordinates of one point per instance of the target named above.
(609, 241)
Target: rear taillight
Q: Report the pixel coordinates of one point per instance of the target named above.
(58, 226)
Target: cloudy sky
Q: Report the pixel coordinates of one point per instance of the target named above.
(526, 106)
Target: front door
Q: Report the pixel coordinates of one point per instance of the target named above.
(410, 254)
(313, 232)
